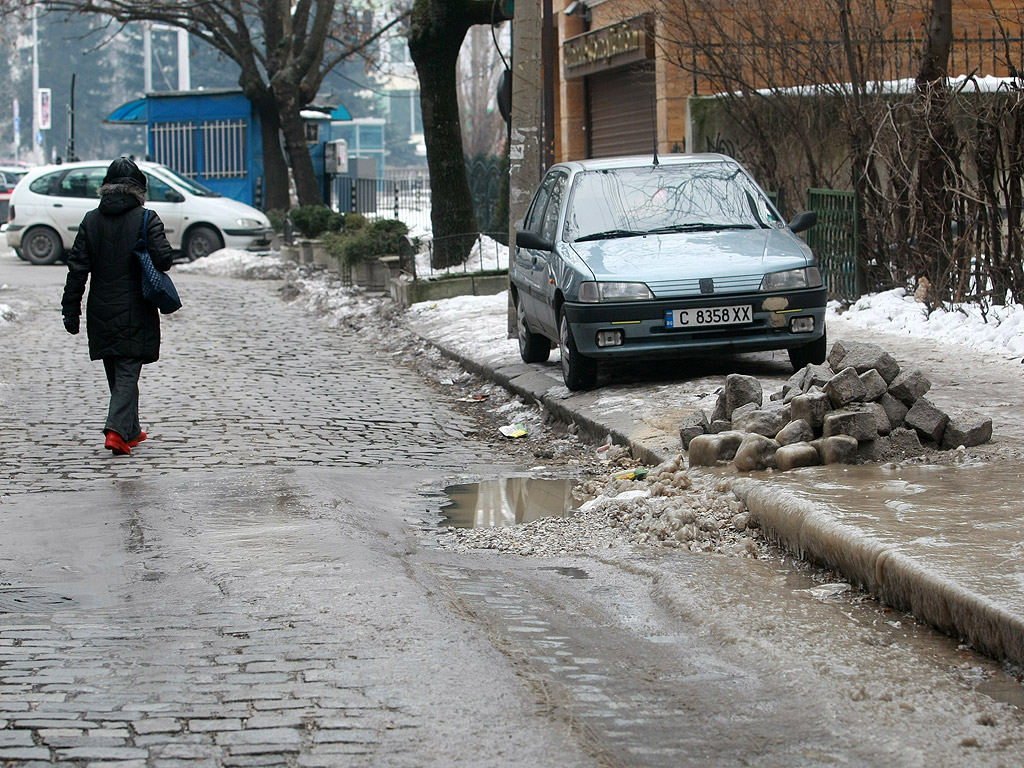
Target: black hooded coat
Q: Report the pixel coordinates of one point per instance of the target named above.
(119, 321)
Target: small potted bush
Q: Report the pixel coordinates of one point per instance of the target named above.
(360, 245)
(312, 222)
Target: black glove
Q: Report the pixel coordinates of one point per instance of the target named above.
(71, 324)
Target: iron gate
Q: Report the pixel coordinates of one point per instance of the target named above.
(834, 241)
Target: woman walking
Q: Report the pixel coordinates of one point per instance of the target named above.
(123, 328)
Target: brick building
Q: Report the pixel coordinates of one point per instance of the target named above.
(619, 87)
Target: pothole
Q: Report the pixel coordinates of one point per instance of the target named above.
(506, 502)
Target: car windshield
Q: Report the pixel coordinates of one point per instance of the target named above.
(190, 186)
(665, 198)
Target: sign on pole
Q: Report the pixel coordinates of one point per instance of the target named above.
(44, 109)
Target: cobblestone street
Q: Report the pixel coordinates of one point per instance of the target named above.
(233, 593)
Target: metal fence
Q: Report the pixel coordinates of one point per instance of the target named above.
(834, 241)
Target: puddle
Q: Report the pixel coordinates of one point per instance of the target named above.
(506, 502)
(572, 573)
(1005, 689)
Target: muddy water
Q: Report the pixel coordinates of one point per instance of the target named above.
(507, 501)
(966, 521)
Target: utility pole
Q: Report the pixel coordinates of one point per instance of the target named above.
(37, 135)
(525, 150)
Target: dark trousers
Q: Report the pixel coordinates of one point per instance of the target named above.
(123, 379)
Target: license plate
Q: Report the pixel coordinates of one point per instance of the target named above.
(704, 316)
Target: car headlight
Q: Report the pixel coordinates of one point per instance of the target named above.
(807, 277)
(593, 293)
(249, 223)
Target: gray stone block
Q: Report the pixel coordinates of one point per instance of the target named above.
(863, 357)
(872, 450)
(742, 411)
(708, 450)
(818, 376)
(927, 420)
(812, 408)
(858, 424)
(839, 449)
(796, 455)
(845, 388)
(797, 431)
(763, 422)
(894, 409)
(719, 425)
(966, 428)
(906, 442)
(755, 452)
(874, 385)
(741, 390)
(909, 386)
(881, 417)
(695, 424)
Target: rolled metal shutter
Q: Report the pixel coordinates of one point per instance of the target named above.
(622, 112)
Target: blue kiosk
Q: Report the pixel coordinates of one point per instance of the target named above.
(214, 137)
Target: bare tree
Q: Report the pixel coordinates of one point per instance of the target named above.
(284, 48)
(811, 94)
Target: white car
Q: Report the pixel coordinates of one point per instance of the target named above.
(49, 203)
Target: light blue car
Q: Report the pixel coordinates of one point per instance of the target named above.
(634, 257)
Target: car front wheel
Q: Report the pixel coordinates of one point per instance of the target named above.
(809, 354)
(578, 372)
(533, 347)
(42, 246)
(200, 242)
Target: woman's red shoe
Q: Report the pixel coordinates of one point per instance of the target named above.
(116, 444)
(135, 443)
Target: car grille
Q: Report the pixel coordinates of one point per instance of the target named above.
(668, 289)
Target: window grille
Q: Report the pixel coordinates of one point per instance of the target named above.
(224, 149)
(173, 146)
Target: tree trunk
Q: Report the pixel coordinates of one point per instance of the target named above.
(275, 166)
(938, 149)
(306, 187)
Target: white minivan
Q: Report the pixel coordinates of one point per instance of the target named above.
(50, 202)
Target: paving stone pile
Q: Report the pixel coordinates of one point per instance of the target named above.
(859, 406)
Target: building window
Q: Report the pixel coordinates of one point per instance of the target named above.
(173, 147)
(224, 149)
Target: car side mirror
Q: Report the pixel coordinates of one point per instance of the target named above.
(174, 196)
(803, 221)
(533, 241)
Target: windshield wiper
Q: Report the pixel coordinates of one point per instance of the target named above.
(697, 227)
(608, 235)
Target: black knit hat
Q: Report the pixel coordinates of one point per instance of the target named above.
(125, 171)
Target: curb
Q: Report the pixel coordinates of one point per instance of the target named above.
(891, 576)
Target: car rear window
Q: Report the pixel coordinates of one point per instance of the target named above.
(44, 183)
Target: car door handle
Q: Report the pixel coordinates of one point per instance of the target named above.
(58, 205)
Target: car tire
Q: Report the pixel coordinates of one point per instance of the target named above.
(809, 354)
(41, 246)
(200, 242)
(533, 347)
(578, 372)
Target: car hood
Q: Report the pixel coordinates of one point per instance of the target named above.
(673, 257)
(224, 208)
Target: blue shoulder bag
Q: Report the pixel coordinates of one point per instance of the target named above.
(157, 287)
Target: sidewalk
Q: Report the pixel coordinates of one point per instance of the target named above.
(944, 542)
